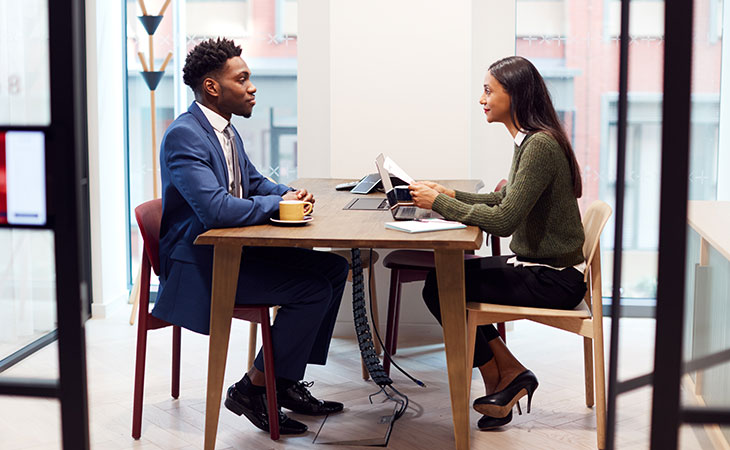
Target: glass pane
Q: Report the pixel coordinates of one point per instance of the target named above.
(576, 49)
(25, 93)
(707, 314)
(267, 33)
(145, 54)
(27, 289)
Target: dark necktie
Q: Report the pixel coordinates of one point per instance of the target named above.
(235, 189)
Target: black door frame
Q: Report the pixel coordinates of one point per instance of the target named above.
(68, 217)
(667, 413)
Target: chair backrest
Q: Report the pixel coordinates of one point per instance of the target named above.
(149, 218)
(496, 243)
(594, 220)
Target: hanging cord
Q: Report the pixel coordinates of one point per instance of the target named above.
(386, 354)
(365, 341)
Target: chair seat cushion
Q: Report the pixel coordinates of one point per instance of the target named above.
(413, 259)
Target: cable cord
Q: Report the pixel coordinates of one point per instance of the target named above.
(365, 339)
(386, 354)
(362, 328)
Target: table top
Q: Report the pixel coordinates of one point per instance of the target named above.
(711, 220)
(334, 227)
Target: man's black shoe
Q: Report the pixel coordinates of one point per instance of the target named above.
(298, 398)
(255, 410)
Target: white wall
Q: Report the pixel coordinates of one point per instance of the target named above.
(402, 78)
(105, 101)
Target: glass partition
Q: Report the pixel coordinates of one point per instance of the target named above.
(267, 32)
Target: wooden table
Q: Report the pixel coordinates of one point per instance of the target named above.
(334, 227)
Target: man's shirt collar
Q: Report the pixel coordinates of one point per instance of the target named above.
(218, 122)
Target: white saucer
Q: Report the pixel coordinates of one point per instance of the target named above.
(304, 221)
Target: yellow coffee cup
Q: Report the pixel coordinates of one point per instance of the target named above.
(294, 209)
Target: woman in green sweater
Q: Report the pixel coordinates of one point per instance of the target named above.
(538, 207)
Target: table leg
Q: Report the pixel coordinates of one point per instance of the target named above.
(450, 275)
(226, 265)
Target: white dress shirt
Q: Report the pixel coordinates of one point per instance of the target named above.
(219, 124)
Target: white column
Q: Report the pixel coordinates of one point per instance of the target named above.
(402, 78)
(105, 102)
(313, 89)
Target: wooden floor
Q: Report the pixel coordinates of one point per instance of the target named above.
(559, 418)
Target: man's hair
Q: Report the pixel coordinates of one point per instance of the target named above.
(207, 57)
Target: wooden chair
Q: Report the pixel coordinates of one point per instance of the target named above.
(407, 266)
(586, 319)
(366, 263)
(149, 215)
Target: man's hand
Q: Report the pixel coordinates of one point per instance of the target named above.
(440, 189)
(423, 195)
(301, 194)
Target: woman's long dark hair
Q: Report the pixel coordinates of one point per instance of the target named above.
(531, 107)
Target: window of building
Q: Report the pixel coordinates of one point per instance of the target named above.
(580, 66)
(266, 31)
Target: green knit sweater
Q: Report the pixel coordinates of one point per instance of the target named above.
(536, 207)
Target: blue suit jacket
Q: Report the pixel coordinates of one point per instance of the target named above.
(195, 199)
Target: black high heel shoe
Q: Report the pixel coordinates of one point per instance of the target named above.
(487, 423)
(500, 403)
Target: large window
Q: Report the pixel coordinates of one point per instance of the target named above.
(267, 32)
(575, 46)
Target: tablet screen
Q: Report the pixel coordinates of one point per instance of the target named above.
(22, 178)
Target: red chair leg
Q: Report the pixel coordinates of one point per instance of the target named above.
(502, 331)
(394, 342)
(392, 300)
(144, 301)
(176, 337)
(269, 374)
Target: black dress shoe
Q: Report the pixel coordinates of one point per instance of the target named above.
(298, 398)
(490, 423)
(500, 403)
(255, 409)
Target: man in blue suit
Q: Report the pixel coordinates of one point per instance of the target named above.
(209, 182)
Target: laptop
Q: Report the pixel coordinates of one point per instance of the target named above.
(399, 198)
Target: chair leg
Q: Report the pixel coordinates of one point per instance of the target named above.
(588, 365)
(141, 350)
(502, 331)
(600, 369)
(176, 338)
(270, 375)
(471, 338)
(252, 337)
(392, 301)
(396, 322)
(376, 314)
(134, 297)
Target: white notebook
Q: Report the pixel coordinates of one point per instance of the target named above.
(423, 225)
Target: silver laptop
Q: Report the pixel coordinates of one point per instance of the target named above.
(399, 198)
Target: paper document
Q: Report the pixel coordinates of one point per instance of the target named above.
(395, 170)
(423, 225)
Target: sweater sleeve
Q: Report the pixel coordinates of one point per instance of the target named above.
(470, 198)
(535, 171)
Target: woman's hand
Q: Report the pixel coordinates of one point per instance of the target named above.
(423, 195)
(440, 189)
